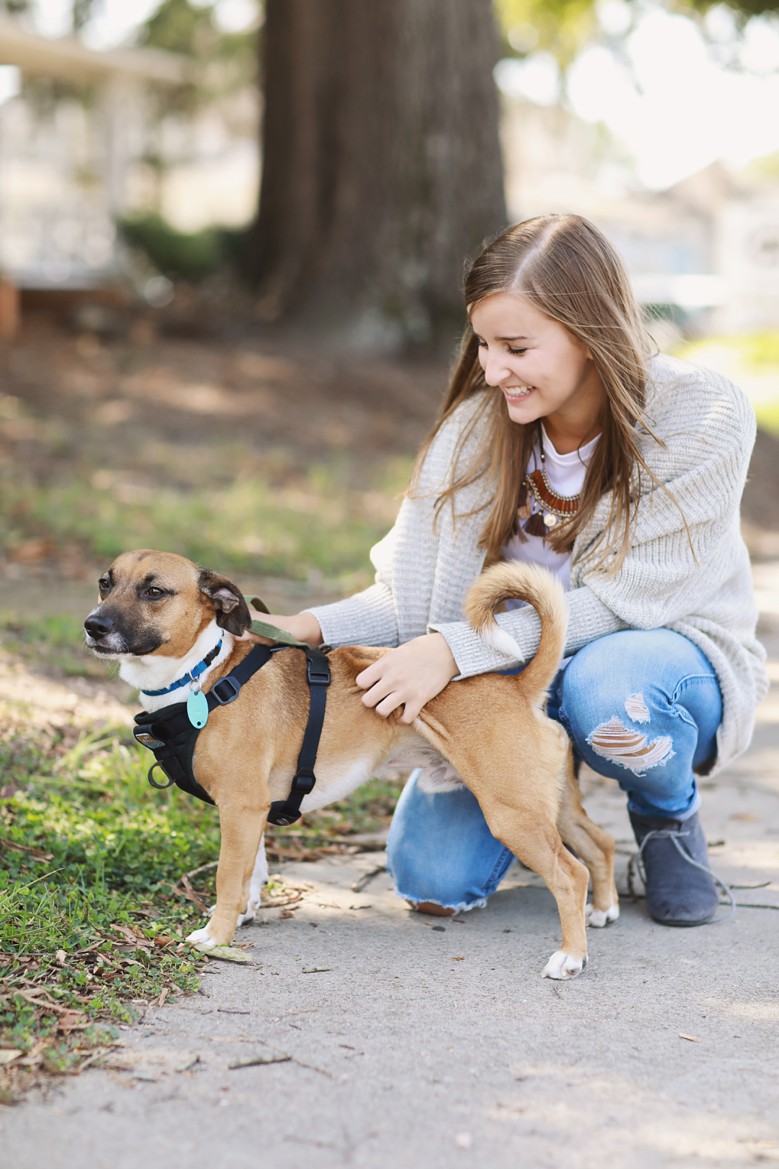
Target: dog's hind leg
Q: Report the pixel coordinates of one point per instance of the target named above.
(241, 829)
(539, 846)
(594, 846)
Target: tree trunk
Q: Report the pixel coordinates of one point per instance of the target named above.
(382, 164)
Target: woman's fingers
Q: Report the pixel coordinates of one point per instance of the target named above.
(408, 676)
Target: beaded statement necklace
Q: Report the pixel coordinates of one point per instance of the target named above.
(540, 507)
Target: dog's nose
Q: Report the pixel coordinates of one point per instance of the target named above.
(97, 625)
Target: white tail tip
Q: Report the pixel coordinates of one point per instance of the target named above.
(501, 641)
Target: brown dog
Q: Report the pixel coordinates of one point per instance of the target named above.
(160, 615)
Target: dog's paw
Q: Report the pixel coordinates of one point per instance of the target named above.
(249, 914)
(202, 939)
(598, 918)
(562, 965)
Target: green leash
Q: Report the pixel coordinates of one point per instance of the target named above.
(272, 632)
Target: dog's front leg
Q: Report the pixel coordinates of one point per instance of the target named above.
(259, 878)
(241, 831)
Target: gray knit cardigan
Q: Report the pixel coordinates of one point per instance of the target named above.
(425, 564)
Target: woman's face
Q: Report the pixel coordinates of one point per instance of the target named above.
(541, 369)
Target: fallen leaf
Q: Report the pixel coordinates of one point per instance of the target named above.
(457, 958)
(316, 969)
(8, 1054)
(225, 954)
(689, 1038)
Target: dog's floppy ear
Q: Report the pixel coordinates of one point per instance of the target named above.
(232, 612)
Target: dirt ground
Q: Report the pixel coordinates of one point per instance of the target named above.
(88, 389)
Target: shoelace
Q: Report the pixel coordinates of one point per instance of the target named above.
(636, 865)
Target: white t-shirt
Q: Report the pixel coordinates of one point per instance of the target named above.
(566, 476)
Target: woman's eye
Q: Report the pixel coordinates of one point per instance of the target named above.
(517, 352)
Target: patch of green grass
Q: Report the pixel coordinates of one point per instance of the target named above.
(92, 921)
(95, 895)
(755, 351)
(54, 640)
(278, 519)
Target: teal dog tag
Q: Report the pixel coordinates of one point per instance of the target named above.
(197, 709)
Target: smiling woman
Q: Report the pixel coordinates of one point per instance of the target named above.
(565, 440)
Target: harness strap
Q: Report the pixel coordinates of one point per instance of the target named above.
(284, 812)
(171, 736)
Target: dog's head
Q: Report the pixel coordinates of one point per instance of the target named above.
(159, 603)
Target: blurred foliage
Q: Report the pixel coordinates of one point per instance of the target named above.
(559, 27)
(563, 28)
(228, 59)
(191, 256)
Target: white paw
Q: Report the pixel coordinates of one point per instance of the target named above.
(562, 965)
(202, 939)
(250, 912)
(597, 918)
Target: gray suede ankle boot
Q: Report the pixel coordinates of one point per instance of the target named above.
(674, 865)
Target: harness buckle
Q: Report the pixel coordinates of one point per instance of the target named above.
(318, 673)
(303, 782)
(284, 819)
(226, 690)
(147, 739)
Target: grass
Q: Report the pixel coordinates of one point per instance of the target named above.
(278, 514)
(101, 880)
(49, 640)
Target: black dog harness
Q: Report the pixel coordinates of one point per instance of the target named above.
(171, 735)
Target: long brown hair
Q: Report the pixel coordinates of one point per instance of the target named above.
(570, 272)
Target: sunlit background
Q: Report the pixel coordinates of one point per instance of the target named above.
(660, 126)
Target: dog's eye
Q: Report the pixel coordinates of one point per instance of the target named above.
(154, 593)
(104, 584)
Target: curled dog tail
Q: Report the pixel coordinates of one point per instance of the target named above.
(537, 586)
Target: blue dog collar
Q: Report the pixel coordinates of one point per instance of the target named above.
(189, 678)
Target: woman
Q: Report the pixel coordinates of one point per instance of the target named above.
(564, 440)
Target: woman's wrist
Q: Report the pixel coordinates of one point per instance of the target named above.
(307, 628)
(302, 626)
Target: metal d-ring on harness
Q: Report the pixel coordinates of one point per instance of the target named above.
(171, 735)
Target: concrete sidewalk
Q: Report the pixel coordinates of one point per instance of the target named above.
(363, 1035)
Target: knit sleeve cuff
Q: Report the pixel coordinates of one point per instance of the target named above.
(347, 622)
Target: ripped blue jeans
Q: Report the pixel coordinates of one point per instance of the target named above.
(641, 707)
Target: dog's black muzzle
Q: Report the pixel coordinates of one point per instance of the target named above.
(98, 625)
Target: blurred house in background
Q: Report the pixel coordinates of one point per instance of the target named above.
(704, 253)
(89, 137)
(67, 148)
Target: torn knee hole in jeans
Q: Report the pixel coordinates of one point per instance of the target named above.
(630, 748)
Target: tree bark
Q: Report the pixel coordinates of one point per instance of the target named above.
(381, 164)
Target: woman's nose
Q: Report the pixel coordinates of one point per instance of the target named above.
(495, 368)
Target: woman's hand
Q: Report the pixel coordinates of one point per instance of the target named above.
(408, 676)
